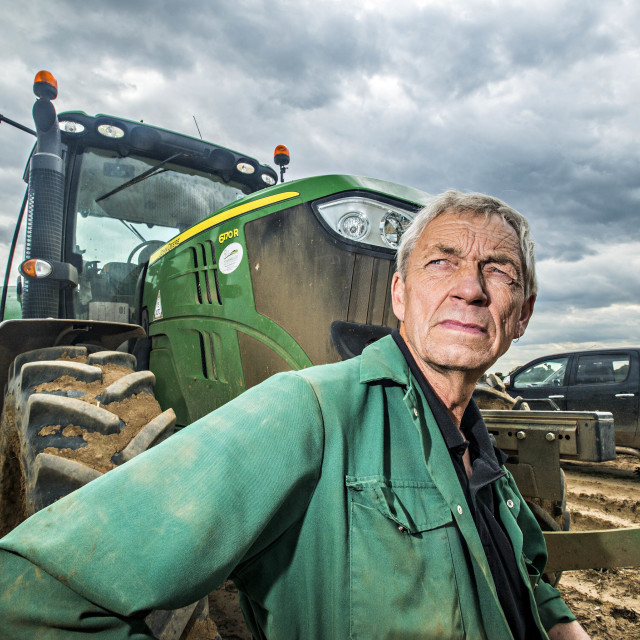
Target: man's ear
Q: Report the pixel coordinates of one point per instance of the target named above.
(525, 316)
(397, 296)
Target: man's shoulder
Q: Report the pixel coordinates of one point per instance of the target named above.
(379, 360)
(332, 387)
(335, 373)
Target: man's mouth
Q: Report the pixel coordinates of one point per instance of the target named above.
(464, 327)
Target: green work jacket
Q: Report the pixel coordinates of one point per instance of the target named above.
(328, 495)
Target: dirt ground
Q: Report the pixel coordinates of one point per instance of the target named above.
(607, 602)
(225, 610)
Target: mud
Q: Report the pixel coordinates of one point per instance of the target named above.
(225, 610)
(201, 630)
(13, 506)
(607, 602)
(134, 412)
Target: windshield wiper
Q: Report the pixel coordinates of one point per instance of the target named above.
(133, 230)
(143, 176)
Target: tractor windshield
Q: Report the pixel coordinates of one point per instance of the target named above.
(125, 209)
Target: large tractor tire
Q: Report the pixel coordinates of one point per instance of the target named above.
(69, 416)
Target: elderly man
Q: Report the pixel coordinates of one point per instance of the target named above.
(362, 499)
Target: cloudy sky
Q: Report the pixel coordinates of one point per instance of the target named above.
(537, 103)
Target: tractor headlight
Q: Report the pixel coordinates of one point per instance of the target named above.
(354, 225)
(245, 167)
(268, 179)
(69, 126)
(392, 226)
(365, 220)
(110, 131)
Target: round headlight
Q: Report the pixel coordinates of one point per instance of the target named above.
(267, 179)
(69, 126)
(354, 225)
(110, 131)
(392, 226)
(245, 167)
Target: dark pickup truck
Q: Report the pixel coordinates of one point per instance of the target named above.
(598, 380)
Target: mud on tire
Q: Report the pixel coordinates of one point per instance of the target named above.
(69, 416)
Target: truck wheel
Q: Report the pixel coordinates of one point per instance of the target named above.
(69, 416)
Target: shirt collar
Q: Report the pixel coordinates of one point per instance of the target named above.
(472, 427)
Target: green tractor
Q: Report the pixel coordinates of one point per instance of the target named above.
(161, 264)
(186, 263)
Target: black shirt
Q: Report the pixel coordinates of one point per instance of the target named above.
(487, 461)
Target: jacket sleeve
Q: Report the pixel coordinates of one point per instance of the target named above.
(551, 608)
(169, 526)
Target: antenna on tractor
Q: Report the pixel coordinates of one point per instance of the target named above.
(281, 158)
(197, 127)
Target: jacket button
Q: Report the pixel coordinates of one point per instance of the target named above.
(415, 412)
(510, 504)
(459, 509)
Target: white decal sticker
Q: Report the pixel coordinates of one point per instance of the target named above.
(230, 258)
(157, 312)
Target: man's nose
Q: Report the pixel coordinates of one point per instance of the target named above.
(469, 284)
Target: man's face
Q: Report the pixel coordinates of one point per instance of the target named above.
(462, 301)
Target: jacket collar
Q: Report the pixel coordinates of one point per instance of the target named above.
(383, 360)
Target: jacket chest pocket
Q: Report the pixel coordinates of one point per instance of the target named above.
(401, 562)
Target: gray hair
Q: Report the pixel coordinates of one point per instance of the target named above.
(476, 203)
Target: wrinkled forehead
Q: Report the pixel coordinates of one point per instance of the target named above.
(466, 230)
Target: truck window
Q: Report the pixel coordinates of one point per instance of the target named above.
(549, 373)
(602, 368)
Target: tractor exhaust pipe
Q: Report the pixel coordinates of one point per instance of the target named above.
(41, 298)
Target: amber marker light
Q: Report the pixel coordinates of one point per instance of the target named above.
(36, 268)
(281, 158)
(45, 85)
(281, 155)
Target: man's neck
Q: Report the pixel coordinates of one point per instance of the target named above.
(453, 387)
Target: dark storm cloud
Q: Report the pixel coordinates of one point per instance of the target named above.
(535, 103)
(492, 43)
(568, 250)
(300, 46)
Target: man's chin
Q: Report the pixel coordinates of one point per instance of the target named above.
(464, 359)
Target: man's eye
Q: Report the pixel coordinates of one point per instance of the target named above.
(437, 262)
(502, 272)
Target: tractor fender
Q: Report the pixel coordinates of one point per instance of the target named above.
(18, 336)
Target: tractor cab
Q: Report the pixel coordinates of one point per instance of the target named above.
(121, 210)
(104, 194)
